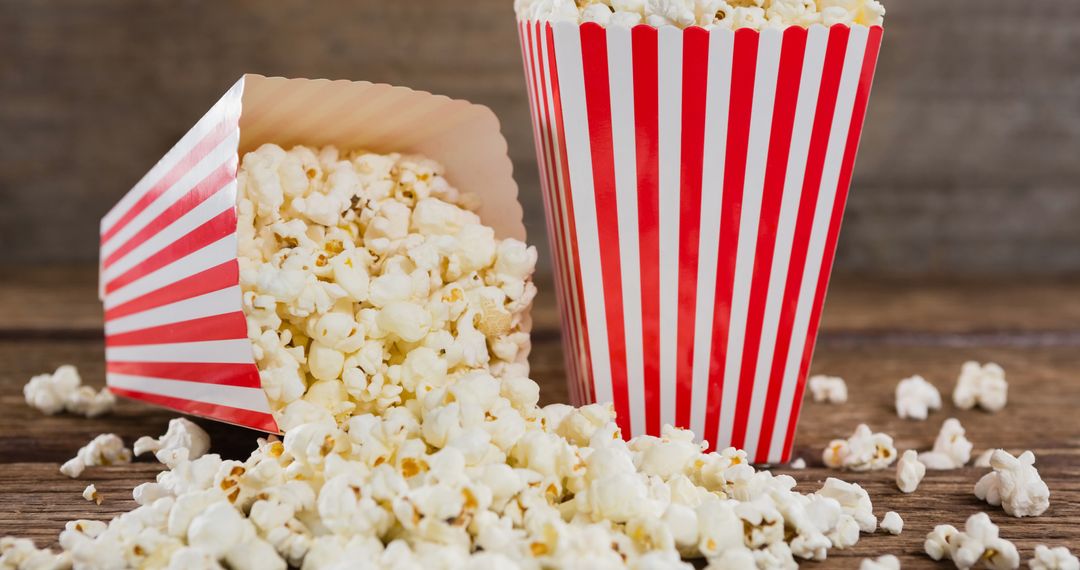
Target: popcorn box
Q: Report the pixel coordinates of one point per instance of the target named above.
(694, 183)
(175, 331)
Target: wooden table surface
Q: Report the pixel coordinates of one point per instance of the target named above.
(873, 334)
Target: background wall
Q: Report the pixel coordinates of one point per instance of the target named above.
(969, 164)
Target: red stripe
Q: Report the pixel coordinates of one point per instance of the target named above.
(555, 197)
(584, 356)
(237, 416)
(212, 230)
(598, 104)
(744, 64)
(695, 75)
(208, 281)
(242, 375)
(815, 162)
(186, 163)
(218, 327)
(862, 96)
(783, 118)
(215, 181)
(647, 124)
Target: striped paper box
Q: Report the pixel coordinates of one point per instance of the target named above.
(175, 333)
(694, 182)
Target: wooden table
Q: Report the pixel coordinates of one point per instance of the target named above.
(874, 334)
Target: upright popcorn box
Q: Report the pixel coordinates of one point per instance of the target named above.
(694, 182)
(175, 331)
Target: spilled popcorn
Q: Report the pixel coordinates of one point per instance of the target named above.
(63, 390)
(915, 397)
(1014, 484)
(1058, 558)
(892, 523)
(952, 450)
(183, 440)
(105, 449)
(90, 493)
(885, 562)
(863, 451)
(710, 14)
(981, 385)
(830, 389)
(368, 281)
(978, 543)
(909, 471)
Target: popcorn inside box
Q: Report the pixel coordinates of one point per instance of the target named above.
(316, 250)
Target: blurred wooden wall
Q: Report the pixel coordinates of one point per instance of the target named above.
(970, 162)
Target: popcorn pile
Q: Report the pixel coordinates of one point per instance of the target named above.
(368, 281)
(730, 14)
(63, 390)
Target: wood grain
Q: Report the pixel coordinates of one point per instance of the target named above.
(875, 333)
(968, 163)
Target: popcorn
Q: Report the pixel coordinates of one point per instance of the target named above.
(909, 472)
(978, 543)
(799, 463)
(983, 460)
(183, 441)
(1014, 484)
(915, 397)
(885, 562)
(105, 449)
(982, 386)
(892, 523)
(1058, 558)
(952, 450)
(863, 451)
(753, 14)
(63, 391)
(829, 389)
(90, 493)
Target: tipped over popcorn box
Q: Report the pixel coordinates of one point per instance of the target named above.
(179, 328)
(695, 180)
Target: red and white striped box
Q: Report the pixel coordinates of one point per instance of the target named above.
(694, 182)
(175, 332)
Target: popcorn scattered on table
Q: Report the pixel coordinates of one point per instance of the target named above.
(63, 391)
(886, 562)
(183, 440)
(105, 449)
(1014, 484)
(799, 463)
(22, 554)
(863, 451)
(978, 543)
(733, 14)
(915, 397)
(981, 385)
(952, 450)
(983, 460)
(349, 262)
(1058, 558)
(828, 389)
(892, 523)
(909, 471)
(90, 493)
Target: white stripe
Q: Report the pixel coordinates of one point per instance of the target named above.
(620, 63)
(226, 109)
(208, 305)
(809, 85)
(579, 155)
(212, 255)
(669, 57)
(845, 103)
(233, 396)
(223, 153)
(574, 308)
(235, 351)
(768, 60)
(214, 205)
(717, 104)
